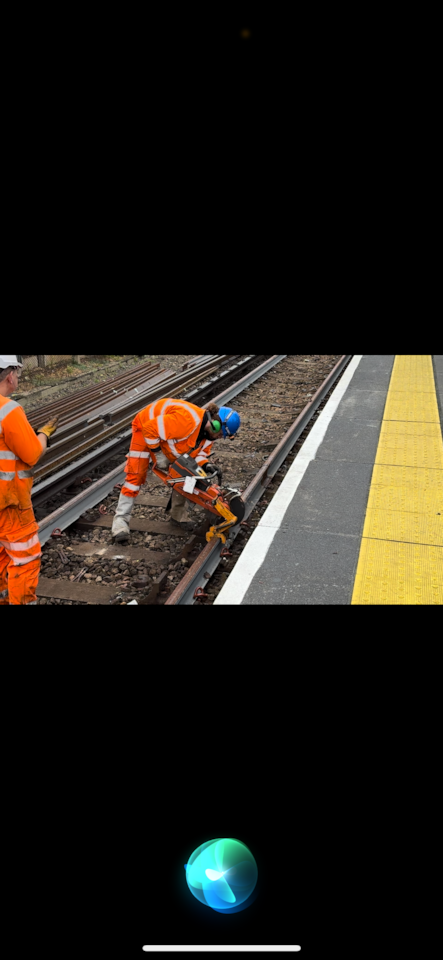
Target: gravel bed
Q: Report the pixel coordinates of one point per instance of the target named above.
(267, 408)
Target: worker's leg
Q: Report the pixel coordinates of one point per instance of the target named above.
(136, 470)
(179, 508)
(4, 562)
(23, 568)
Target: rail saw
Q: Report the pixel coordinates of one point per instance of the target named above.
(188, 479)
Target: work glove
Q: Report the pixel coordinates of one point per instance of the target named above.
(161, 460)
(213, 473)
(49, 428)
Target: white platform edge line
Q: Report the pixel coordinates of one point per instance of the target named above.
(259, 543)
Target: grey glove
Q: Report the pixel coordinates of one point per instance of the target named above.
(162, 461)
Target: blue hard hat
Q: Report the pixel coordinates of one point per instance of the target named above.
(230, 421)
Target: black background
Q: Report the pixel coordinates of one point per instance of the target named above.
(232, 773)
(188, 35)
(178, 918)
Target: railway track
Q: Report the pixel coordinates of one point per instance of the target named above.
(165, 563)
(95, 424)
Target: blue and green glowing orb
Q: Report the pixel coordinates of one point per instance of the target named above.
(222, 874)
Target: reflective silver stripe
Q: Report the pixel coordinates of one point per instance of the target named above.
(173, 448)
(152, 443)
(8, 455)
(3, 594)
(161, 426)
(7, 409)
(24, 545)
(151, 410)
(228, 418)
(197, 421)
(24, 474)
(180, 403)
(177, 403)
(139, 453)
(207, 443)
(21, 562)
(198, 459)
(130, 486)
(7, 475)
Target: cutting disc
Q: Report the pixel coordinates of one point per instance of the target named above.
(237, 507)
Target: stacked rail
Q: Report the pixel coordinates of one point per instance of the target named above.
(96, 422)
(75, 507)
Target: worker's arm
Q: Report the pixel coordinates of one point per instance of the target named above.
(43, 441)
(21, 438)
(202, 452)
(151, 433)
(46, 431)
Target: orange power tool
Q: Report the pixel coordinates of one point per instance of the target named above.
(187, 478)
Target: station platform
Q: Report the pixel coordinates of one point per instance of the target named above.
(358, 519)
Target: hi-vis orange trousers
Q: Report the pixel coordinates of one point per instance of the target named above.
(136, 470)
(20, 558)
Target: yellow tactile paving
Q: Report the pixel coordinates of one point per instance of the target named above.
(408, 428)
(405, 525)
(401, 554)
(398, 573)
(410, 451)
(410, 404)
(412, 365)
(414, 383)
(399, 488)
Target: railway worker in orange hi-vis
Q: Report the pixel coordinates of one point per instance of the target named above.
(162, 432)
(20, 449)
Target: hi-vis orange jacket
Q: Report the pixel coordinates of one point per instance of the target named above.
(20, 449)
(174, 425)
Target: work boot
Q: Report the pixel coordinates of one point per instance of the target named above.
(120, 523)
(179, 508)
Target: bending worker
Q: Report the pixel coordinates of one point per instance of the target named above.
(162, 432)
(20, 449)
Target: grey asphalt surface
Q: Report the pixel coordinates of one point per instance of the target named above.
(314, 554)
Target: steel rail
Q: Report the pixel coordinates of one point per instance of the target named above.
(226, 395)
(109, 406)
(116, 389)
(70, 512)
(94, 494)
(98, 421)
(120, 418)
(57, 464)
(246, 381)
(197, 360)
(109, 386)
(73, 471)
(210, 557)
(45, 390)
(69, 412)
(68, 408)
